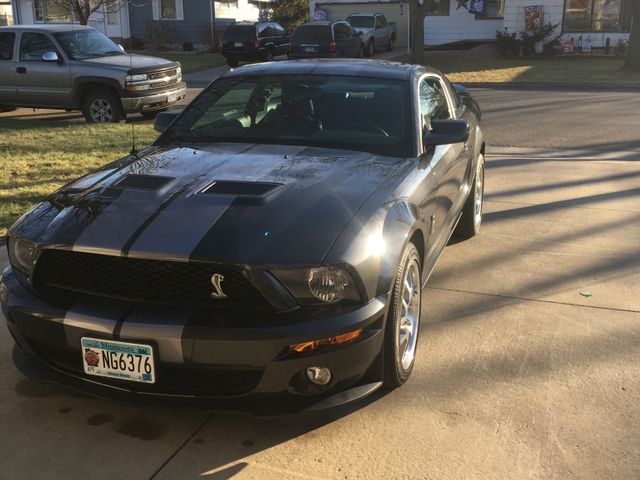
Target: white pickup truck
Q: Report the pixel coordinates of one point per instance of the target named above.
(375, 31)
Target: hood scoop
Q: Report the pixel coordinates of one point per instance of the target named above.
(241, 189)
(142, 182)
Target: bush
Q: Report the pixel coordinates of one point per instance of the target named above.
(133, 44)
(529, 39)
(187, 46)
(510, 44)
(507, 43)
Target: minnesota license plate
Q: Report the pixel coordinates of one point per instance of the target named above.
(172, 97)
(310, 49)
(120, 360)
(237, 44)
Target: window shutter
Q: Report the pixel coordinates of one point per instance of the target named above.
(155, 9)
(179, 10)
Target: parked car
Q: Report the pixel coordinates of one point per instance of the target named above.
(375, 30)
(267, 252)
(251, 41)
(325, 39)
(76, 67)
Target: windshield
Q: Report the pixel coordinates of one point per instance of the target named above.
(312, 110)
(315, 34)
(360, 22)
(81, 44)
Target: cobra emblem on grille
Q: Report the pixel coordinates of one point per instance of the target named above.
(216, 281)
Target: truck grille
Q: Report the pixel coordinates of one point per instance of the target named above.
(157, 82)
(161, 74)
(63, 273)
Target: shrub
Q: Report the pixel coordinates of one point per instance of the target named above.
(187, 46)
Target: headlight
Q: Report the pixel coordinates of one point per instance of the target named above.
(179, 71)
(319, 285)
(136, 78)
(132, 87)
(22, 255)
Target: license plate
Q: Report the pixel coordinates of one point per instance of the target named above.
(310, 49)
(237, 44)
(172, 97)
(124, 361)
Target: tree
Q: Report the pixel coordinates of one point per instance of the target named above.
(417, 13)
(82, 9)
(291, 13)
(632, 62)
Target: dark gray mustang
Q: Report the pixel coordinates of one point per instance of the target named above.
(267, 252)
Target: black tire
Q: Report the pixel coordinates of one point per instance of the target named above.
(471, 220)
(371, 48)
(395, 373)
(7, 108)
(361, 52)
(268, 55)
(392, 41)
(232, 62)
(152, 114)
(102, 106)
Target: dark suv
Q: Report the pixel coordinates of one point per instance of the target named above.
(250, 41)
(325, 39)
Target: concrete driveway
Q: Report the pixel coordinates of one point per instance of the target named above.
(518, 375)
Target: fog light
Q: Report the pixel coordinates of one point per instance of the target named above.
(319, 375)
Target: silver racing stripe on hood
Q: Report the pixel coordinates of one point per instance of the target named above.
(92, 314)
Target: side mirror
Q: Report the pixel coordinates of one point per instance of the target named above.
(121, 47)
(50, 57)
(446, 132)
(163, 120)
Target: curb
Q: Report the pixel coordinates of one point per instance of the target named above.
(574, 87)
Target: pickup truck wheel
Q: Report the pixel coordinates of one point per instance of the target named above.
(6, 108)
(361, 52)
(102, 106)
(392, 41)
(403, 320)
(469, 224)
(371, 48)
(232, 62)
(268, 55)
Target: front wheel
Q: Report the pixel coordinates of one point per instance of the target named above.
(102, 106)
(268, 56)
(371, 48)
(403, 321)
(469, 224)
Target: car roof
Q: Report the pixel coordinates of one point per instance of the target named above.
(49, 27)
(322, 23)
(364, 14)
(353, 67)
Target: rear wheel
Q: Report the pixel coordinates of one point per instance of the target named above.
(232, 62)
(403, 321)
(392, 41)
(102, 106)
(471, 220)
(268, 55)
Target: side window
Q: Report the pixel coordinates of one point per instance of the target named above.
(267, 31)
(381, 22)
(433, 100)
(33, 45)
(279, 30)
(7, 39)
(340, 32)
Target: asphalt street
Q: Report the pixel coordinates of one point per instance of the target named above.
(518, 374)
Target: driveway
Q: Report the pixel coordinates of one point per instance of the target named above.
(528, 357)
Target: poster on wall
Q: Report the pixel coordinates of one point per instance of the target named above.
(320, 14)
(533, 17)
(478, 7)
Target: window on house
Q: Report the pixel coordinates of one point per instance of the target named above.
(47, 11)
(167, 9)
(437, 7)
(494, 9)
(112, 9)
(7, 40)
(597, 15)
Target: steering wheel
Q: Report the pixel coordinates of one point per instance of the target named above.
(367, 127)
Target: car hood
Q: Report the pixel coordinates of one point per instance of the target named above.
(134, 62)
(162, 204)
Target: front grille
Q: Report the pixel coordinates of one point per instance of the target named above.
(172, 379)
(60, 274)
(161, 74)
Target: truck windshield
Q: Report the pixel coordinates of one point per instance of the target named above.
(360, 21)
(364, 114)
(82, 44)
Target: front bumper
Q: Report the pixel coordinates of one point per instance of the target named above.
(197, 363)
(145, 102)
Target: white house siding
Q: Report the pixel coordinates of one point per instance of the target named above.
(458, 25)
(554, 14)
(240, 10)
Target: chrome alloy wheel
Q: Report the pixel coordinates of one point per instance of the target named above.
(101, 111)
(409, 317)
(478, 194)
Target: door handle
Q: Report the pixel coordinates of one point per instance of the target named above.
(21, 70)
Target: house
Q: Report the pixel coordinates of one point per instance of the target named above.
(450, 21)
(163, 21)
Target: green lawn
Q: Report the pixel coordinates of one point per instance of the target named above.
(191, 62)
(38, 156)
(465, 66)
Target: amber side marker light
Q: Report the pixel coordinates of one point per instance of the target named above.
(314, 344)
